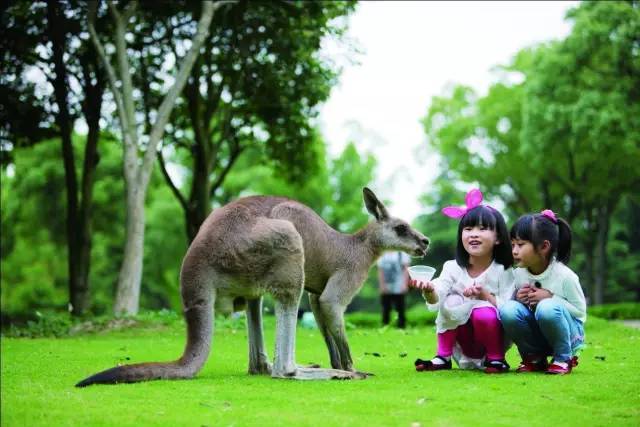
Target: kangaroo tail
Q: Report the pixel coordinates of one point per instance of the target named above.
(199, 330)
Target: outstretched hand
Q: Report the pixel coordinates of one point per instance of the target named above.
(425, 287)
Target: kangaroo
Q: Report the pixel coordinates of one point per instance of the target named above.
(261, 244)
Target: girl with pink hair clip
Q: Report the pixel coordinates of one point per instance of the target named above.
(469, 291)
(548, 311)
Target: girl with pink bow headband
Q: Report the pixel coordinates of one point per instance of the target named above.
(547, 314)
(469, 291)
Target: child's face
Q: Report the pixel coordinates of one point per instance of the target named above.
(525, 254)
(478, 240)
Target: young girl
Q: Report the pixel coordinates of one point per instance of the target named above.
(469, 290)
(549, 310)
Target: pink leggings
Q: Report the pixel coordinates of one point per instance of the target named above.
(481, 334)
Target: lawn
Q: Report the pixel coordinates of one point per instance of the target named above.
(38, 377)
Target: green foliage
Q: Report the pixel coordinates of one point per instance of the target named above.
(417, 316)
(334, 192)
(560, 130)
(256, 87)
(442, 231)
(164, 248)
(56, 324)
(623, 311)
(34, 251)
(583, 104)
(348, 174)
(34, 262)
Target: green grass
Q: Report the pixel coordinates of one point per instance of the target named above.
(38, 377)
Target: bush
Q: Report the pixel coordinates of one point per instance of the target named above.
(417, 316)
(624, 310)
(60, 324)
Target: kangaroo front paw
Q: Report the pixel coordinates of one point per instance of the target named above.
(260, 369)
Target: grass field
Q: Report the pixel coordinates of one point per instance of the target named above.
(38, 377)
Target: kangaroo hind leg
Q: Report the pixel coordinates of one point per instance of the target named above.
(258, 358)
(286, 282)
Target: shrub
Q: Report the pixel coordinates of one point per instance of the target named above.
(624, 310)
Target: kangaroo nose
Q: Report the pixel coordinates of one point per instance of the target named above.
(425, 241)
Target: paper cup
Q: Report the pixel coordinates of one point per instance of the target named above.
(421, 273)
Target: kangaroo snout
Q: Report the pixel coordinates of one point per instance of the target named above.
(423, 245)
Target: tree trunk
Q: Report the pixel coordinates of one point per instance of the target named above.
(589, 282)
(601, 264)
(137, 173)
(57, 35)
(199, 201)
(128, 293)
(91, 107)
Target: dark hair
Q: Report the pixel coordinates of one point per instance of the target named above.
(536, 228)
(493, 220)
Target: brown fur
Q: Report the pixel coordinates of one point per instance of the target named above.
(268, 244)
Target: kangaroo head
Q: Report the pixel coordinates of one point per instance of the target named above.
(393, 233)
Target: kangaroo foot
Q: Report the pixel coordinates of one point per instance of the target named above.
(321, 374)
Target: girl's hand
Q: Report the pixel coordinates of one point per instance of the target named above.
(468, 292)
(523, 294)
(476, 291)
(479, 292)
(425, 287)
(537, 294)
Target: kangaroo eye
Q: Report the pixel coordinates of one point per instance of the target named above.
(401, 230)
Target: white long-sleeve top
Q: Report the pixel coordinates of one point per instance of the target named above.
(454, 309)
(562, 282)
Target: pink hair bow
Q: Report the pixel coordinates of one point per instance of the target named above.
(472, 199)
(549, 214)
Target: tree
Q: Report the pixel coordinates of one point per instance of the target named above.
(34, 260)
(583, 110)
(334, 192)
(553, 140)
(30, 44)
(258, 82)
(137, 171)
(479, 138)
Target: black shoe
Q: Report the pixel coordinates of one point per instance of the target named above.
(496, 366)
(428, 365)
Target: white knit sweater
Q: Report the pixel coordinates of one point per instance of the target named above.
(562, 282)
(453, 308)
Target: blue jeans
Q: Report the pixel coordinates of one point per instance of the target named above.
(550, 330)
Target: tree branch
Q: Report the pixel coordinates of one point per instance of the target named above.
(169, 181)
(235, 154)
(131, 148)
(113, 83)
(169, 101)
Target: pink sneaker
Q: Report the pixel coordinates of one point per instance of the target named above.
(557, 369)
(533, 363)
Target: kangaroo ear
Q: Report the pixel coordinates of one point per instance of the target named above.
(374, 206)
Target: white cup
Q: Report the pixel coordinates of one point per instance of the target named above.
(421, 273)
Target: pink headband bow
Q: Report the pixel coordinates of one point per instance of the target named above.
(472, 200)
(549, 214)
